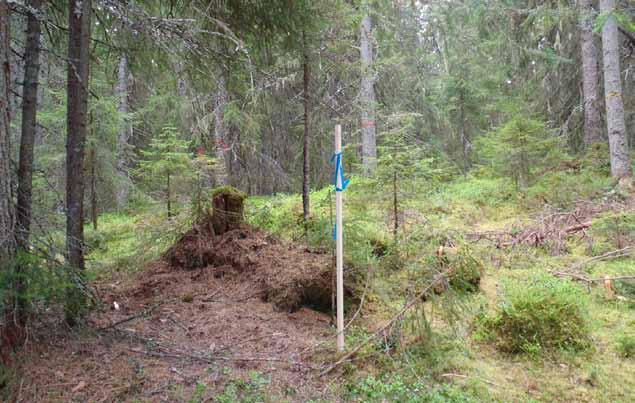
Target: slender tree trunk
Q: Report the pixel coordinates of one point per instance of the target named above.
(27, 142)
(77, 104)
(125, 132)
(93, 188)
(618, 145)
(523, 168)
(592, 119)
(16, 66)
(367, 96)
(7, 214)
(306, 168)
(466, 144)
(220, 134)
(13, 308)
(395, 206)
(29, 124)
(169, 196)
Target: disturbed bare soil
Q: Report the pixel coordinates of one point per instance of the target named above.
(179, 331)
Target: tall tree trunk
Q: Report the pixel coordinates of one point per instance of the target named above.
(13, 321)
(77, 105)
(367, 97)
(395, 206)
(466, 144)
(220, 132)
(618, 145)
(592, 120)
(168, 196)
(16, 66)
(307, 127)
(93, 187)
(125, 132)
(7, 216)
(29, 123)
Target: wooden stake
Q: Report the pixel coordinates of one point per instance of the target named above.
(339, 249)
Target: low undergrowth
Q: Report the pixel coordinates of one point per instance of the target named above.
(625, 344)
(396, 389)
(542, 315)
(125, 243)
(497, 298)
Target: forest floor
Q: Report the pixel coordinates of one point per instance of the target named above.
(168, 334)
(224, 333)
(566, 226)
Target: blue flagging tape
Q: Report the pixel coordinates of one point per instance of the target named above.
(339, 181)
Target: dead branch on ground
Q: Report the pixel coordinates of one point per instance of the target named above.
(412, 303)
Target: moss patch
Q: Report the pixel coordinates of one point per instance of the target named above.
(229, 190)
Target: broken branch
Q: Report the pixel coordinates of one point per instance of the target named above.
(413, 302)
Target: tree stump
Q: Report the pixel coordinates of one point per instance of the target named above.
(227, 203)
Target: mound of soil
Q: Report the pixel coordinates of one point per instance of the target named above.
(287, 276)
(171, 332)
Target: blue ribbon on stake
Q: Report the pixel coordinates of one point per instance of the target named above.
(339, 181)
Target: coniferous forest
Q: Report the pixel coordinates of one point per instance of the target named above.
(178, 222)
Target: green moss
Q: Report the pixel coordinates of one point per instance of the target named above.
(229, 190)
(187, 297)
(562, 188)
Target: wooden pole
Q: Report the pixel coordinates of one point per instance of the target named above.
(339, 249)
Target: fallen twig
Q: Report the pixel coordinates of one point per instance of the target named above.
(609, 255)
(574, 276)
(580, 277)
(578, 227)
(212, 359)
(241, 342)
(413, 302)
(451, 375)
(181, 325)
(143, 313)
(574, 271)
(361, 301)
(210, 297)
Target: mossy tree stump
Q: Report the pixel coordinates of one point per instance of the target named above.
(227, 203)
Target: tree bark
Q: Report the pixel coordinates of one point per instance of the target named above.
(16, 66)
(220, 103)
(77, 105)
(618, 145)
(125, 132)
(93, 188)
(7, 214)
(395, 206)
(367, 96)
(168, 196)
(306, 167)
(466, 143)
(29, 123)
(592, 119)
